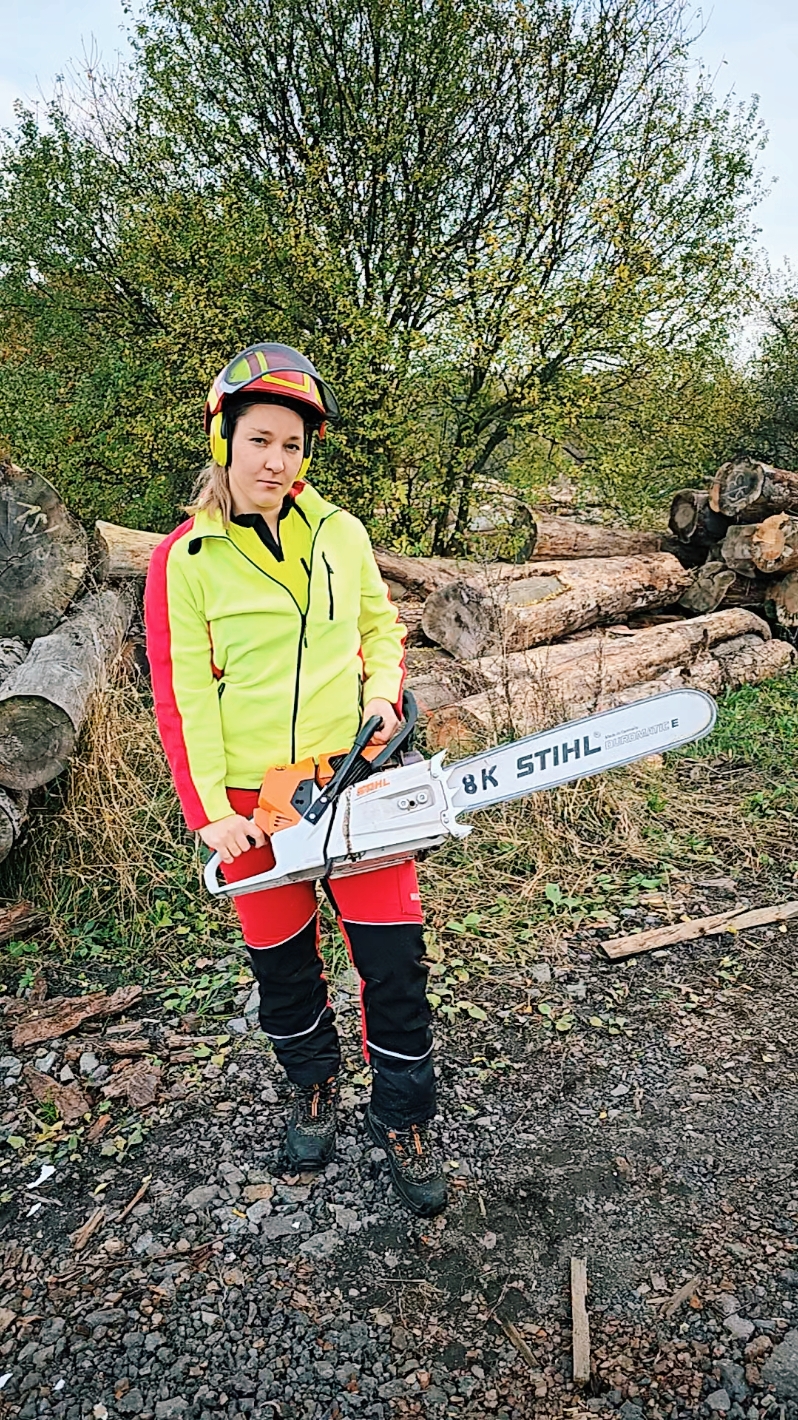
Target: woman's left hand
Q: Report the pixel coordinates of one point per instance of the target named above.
(390, 720)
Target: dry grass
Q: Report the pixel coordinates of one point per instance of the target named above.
(108, 843)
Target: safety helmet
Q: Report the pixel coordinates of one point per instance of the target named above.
(273, 374)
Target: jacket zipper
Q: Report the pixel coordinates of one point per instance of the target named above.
(329, 585)
(303, 615)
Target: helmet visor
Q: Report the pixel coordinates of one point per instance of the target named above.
(290, 373)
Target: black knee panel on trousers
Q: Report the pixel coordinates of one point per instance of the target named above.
(294, 1013)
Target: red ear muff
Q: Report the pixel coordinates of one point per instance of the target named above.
(322, 430)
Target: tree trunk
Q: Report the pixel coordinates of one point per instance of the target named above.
(774, 545)
(749, 490)
(783, 601)
(737, 549)
(711, 584)
(693, 520)
(13, 817)
(566, 538)
(122, 553)
(43, 555)
(561, 598)
(609, 677)
(43, 702)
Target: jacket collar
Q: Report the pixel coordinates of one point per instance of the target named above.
(315, 508)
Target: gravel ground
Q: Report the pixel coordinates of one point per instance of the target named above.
(656, 1136)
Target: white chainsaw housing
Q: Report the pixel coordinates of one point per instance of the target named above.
(386, 819)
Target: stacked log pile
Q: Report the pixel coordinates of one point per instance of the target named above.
(746, 527)
(59, 637)
(593, 617)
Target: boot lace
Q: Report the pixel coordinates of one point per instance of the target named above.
(315, 1106)
(414, 1151)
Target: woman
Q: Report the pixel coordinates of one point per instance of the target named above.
(271, 637)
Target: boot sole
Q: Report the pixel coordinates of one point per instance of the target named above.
(420, 1210)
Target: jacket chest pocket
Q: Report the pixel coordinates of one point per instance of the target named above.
(335, 593)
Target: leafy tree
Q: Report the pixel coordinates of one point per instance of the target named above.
(477, 217)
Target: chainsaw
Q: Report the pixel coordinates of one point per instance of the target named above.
(377, 805)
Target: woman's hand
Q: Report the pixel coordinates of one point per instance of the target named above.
(230, 837)
(390, 720)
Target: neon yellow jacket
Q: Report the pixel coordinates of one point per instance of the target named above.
(257, 663)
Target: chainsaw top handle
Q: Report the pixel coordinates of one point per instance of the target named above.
(356, 767)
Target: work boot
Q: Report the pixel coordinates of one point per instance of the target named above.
(310, 1133)
(416, 1172)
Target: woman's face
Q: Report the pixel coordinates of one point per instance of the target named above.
(268, 444)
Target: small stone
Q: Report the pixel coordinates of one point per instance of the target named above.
(259, 1210)
(719, 1400)
(630, 1411)
(732, 1377)
(46, 1062)
(577, 990)
(698, 1072)
(738, 1327)
(182, 1245)
(727, 1304)
(293, 1192)
(142, 1243)
(540, 972)
(781, 1368)
(88, 1063)
(377, 1155)
(168, 1409)
(321, 1245)
(10, 1065)
(101, 1073)
(279, 1226)
(345, 1218)
(66, 1075)
(237, 1026)
(131, 1403)
(254, 1192)
(253, 1002)
(201, 1196)
(113, 1246)
(759, 1347)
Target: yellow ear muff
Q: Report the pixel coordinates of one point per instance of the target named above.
(219, 450)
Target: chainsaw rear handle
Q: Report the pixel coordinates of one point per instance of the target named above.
(356, 767)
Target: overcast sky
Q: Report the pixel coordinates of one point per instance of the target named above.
(750, 46)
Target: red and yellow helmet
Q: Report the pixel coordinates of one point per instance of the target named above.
(274, 374)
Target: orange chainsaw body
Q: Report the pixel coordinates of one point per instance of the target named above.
(287, 791)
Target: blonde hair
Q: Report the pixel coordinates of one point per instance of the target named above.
(211, 492)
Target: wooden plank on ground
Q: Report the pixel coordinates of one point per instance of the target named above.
(734, 920)
(579, 1321)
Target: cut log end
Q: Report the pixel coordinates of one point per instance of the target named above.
(784, 601)
(43, 554)
(34, 735)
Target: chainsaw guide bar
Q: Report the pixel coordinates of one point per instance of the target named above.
(396, 813)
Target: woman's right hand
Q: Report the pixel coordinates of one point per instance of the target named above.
(232, 836)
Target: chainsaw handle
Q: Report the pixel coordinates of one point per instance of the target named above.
(355, 767)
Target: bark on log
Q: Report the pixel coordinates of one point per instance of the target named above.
(561, 598)
(568, 538)
(712, 582)
(523, 707)
(17, 920)
(12, 654)
(122, 553)
(737, 550)
(782, 603)
(43, 702)
(774, 545)
(693, 520)
(43, 554)
(13, 817)
(749, 490)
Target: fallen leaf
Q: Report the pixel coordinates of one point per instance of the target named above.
(69, 1100)
(6, 1318)
(66, 1013)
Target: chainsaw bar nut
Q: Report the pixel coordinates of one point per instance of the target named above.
(416, 802)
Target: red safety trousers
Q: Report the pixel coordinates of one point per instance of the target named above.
(379, 914)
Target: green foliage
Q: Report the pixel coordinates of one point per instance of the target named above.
(491, 225)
